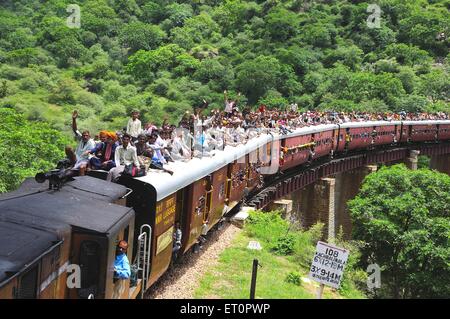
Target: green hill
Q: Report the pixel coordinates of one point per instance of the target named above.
(163, 57)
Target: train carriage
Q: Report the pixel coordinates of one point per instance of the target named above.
(422, 132)
(297, 146)
(84, 218)
(387, 133)
(199, 191)
(443, 130)
(355, 135)
(324, 141)
(28, 258)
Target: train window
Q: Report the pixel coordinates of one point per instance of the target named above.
(28, 284)
(90, 268)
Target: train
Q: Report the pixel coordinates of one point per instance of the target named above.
(48, 233)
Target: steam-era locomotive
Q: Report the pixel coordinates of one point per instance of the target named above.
(46, 231)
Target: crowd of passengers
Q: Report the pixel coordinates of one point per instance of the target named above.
(197, 135)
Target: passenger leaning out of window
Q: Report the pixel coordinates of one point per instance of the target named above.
(121, 264)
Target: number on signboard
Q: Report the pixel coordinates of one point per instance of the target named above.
(332, 252)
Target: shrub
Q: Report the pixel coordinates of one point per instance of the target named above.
(284, 245)
(294, 278)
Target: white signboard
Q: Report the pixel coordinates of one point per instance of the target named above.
(254, 245)
(328, 264)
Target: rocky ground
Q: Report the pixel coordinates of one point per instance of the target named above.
(181, 281)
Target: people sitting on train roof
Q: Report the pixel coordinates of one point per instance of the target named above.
(79, 158)
(122, 268)
(203, 135)
(151, 161)
(180, 150)
(141, 144)
(125, 155)
(158, 146)
(103, 152)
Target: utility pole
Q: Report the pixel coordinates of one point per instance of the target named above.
(253, 284)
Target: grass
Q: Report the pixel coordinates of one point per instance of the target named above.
(231, 277)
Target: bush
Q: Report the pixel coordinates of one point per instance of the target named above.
(284, 245)
(267, 226)
(294, 278)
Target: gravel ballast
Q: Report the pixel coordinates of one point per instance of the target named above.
(183, 279)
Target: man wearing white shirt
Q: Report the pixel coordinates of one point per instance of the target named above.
(157, 146)
(180, 151)
(85, 143)
(134, 126)
(125, 155)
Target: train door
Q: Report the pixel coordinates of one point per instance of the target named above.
(238, 182)
(312, 150)
(395, 137)
(334, 142)
(283, 153)
(252, 169)
(228, 183)
(89, 253)
(208, 195)
(218, 207)
(181, 206)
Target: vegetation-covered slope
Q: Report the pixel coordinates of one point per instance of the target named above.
(164, 56)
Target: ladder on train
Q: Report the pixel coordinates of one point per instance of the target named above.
(144, 254)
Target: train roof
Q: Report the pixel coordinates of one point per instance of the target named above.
(369, 124)
(311, 130)
(74, 204)
(88, 186)
(428, 122)
(186, 173)
(21, 245)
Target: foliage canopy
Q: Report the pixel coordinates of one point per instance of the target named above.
(404, 217)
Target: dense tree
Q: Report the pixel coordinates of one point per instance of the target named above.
(26, 149)
(403, 216)
(427, 28)
(140, 36)
(255, 77)
(281, 24)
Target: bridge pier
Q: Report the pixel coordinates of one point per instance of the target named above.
(348, 185)
(412, 160)
(315, 203)
(326, 191)
(441, 163)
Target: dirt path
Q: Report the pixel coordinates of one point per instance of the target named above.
(182, 281)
